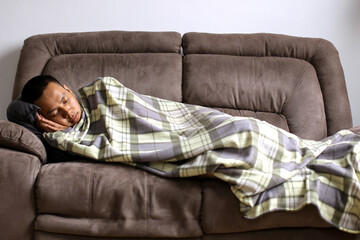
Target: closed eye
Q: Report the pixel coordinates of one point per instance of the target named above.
(51, 112)
(54, 114)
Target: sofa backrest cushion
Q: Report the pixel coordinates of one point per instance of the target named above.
(294, 83)
(143, 61)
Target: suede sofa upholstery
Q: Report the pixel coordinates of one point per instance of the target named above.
(292, 82)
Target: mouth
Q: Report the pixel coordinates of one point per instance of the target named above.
(75, 119)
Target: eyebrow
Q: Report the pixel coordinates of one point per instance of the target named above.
(61, 99)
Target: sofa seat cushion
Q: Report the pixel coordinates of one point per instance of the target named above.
(221, 214)
(114, 200)
(55, 236)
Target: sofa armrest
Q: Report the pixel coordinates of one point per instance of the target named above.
(18, 174)
(21, 156)
(16, 137)
(355, 129)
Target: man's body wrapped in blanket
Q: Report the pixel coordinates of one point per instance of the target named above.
(266, 167)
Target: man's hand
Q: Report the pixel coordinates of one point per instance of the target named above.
(48, 125)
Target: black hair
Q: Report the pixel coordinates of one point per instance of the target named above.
(35, 87)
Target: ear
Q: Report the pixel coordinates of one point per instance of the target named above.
(67, 89)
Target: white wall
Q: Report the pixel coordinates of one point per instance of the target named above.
(335, 20)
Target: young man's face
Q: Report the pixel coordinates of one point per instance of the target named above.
(59, 105)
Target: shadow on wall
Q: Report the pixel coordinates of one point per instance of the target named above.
(356, 14)
(8, 64)
(353, 20)
(351, 58)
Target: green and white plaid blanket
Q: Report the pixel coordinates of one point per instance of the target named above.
(266, 167)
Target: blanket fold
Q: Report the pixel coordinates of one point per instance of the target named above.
(266, 167)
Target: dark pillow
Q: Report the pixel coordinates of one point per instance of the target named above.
(24, 114)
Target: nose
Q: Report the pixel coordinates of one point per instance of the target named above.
(67, 112)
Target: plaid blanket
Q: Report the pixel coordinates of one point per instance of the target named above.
(266, 167)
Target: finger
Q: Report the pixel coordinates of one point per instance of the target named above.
(49, 122)
(45, 120)
(38, 117)
(52, 128)
(55, 125)
(39, 123)
(44, 124)
(49, 125)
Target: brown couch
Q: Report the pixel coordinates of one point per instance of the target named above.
(294, 83)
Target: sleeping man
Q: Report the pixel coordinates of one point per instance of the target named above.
(112, 123)
(59, 108)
